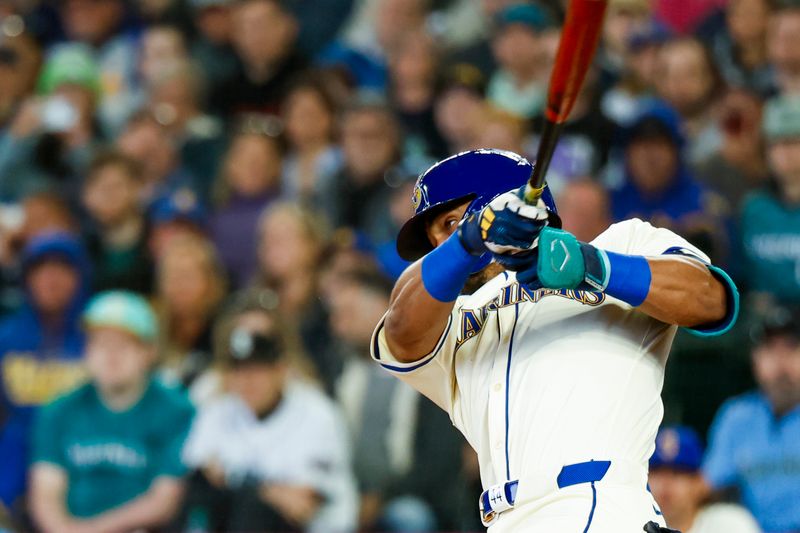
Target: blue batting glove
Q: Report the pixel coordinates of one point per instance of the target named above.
(507, 225)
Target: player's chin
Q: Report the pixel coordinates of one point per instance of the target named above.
(478, 279)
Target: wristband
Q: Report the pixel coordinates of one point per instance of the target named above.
(628, 277)
(446, 268)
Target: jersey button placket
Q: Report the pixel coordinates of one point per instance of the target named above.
(497, 413)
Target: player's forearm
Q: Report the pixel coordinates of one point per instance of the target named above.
(683, 292)
(416, 319)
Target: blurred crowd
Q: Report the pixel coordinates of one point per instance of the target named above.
(198, 207)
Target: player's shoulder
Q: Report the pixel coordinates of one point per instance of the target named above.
(624, 229)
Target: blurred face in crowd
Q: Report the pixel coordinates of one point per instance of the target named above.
(112, 195)
(174, 97)
(747, 20)
(308, 118)
(188, 282)
(395, 19)
(370, 143)
(783, 39)
(148, 142)
(776, 365)
(500, 131)
(784, 160)
(286, 248)
(214, 23)
(684, 76)
(258, 384)
(519, 50)
(53, 285)
(740, 115)
(620, 24)
(652, 163)
(116, 360)
(354, 311)
(584, 209)
(162, 48)
(263, 33)
(413, 61)
(91, 21)
(19, 60)
(677, 492)
(253, 165)
(643, 65)
(45, 212)
(456, 111)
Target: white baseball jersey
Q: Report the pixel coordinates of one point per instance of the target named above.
(540, 379)
(302, 442)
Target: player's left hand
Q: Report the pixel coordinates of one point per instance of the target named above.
(507, 225)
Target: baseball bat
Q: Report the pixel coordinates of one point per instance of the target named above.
(579, 38)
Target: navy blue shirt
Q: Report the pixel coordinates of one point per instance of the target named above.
(759, 454)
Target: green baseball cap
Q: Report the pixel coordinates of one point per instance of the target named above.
(782, 118)
(73, 64)
(122, 310)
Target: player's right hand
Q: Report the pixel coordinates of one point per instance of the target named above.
(507, 225)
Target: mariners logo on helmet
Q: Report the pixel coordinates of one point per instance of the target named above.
(416, 198)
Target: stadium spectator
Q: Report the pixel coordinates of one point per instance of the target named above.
(740, 47)
(496, 128)
(13, 459)
(291, 244)
(20, 59)
(249, 182)
(176, 100)
(677, 485)
(624, 19)
(407, 463)
(106, 457)
(310, 114)
(753, 442)
(211, 46)
(191, 285)
(584, 208)
(146, 140)
(783, 38)
(41, 344)
(413, 64)
(658, 185)
(739, 164)
(173, 217)
(688, 81)
(770, 218)
(458, 104)
(269, 59)
(162, 48)
(358, 196)
(285, 463)
(519, 85)
(99, 25)
(52, 138)
(117, 238)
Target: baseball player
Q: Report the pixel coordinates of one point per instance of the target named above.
(550, 358)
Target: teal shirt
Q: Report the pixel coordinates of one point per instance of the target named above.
(771, 242)
(112, 457)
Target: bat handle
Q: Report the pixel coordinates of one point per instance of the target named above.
(532, 194)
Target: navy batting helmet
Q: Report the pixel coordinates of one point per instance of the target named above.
(479, 176)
